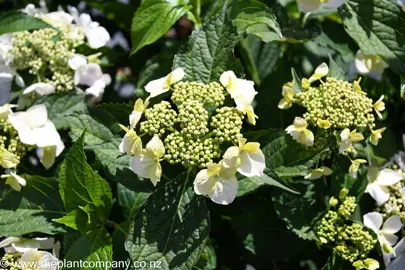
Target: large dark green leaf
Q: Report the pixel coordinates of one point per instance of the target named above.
(80, 187)
(94, 248)
(130, 201)
(172, 227)
(152, 20)
(378, 27)
(209, 51)
(13, 21)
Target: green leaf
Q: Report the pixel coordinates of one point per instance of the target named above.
(80, 187)
(296, 82)
(289, 158)
(94, 248)
(76, 219)
(32, 209)
(248, 13)
(335, 71)
(209, 51)
(152, 20)
(208, 259)
(120, 112)
(260, 58)
(59, 105)
(23, 221)
(378, 27)
(300, 212)
(172, 227)
(130, 201)
(250, 184)
(13, 21)
(96, 132)
(156, 67)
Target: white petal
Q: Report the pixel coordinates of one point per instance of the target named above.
(344, 145)
(19, 179)
(157, 87)
(252, 164)
(76, 61)
(334, 3)
(47, 135)
(231, 156)
(19, 80)
(134, 118)
(25, 245)
(97, 89)
(155, 146)
(225, 191)
(37, 115)
(8, 241)
(388, 177)
(177, 75)
(373, 221)
(203, 185)
(126, 144)
(227, 79)
(378, 194)
(57, 18)
(360, 64)
(390, 238)
(88, 74)
(42, 89)
(141, 165)
(97, 37)
(45, 242)
(392, 225)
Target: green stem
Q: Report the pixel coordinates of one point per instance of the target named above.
(209, 135)
(112, 224)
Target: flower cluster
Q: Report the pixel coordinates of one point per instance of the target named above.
(24, 253)
(336, 108)
(50, 54)
(190, 131)
(349, 240)
(22, 132)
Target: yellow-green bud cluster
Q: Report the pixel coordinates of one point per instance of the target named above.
(337, 101)
(10, 260)
(211, 94)
(10, 141)
(354, 242)
(190, 151)
(159, 118)
(396, 203)
(350, 241)
(227, 124)
(193, 118)
(45, 54)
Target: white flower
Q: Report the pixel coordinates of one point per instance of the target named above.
(97, 36)
(386, 234)
(89, 74)
(147, 164)
(14, 181)
(218, 183)
(399, 262)
(136, 114)
(300, 133)
(318, 173)
(242, 91)
(321, 71)
(379, 106)
(30, 9)
(376, 135)
(42, 89)
(24, 244)
(247, 158)
(348, 138)
(370, 65)
(162, 85)
(131, 143)
(378, 183)
(313, 5)
(34, 128)
(288, 97)
(57, 18)
(39, 260)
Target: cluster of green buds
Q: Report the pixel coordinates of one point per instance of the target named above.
(191, 128)
(10, 261)
(349, 240)
(334, 108)
(45, 54)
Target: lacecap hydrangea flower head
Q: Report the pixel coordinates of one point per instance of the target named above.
(51, 55)
(191, 128)
(22, 132)
(335, 108)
